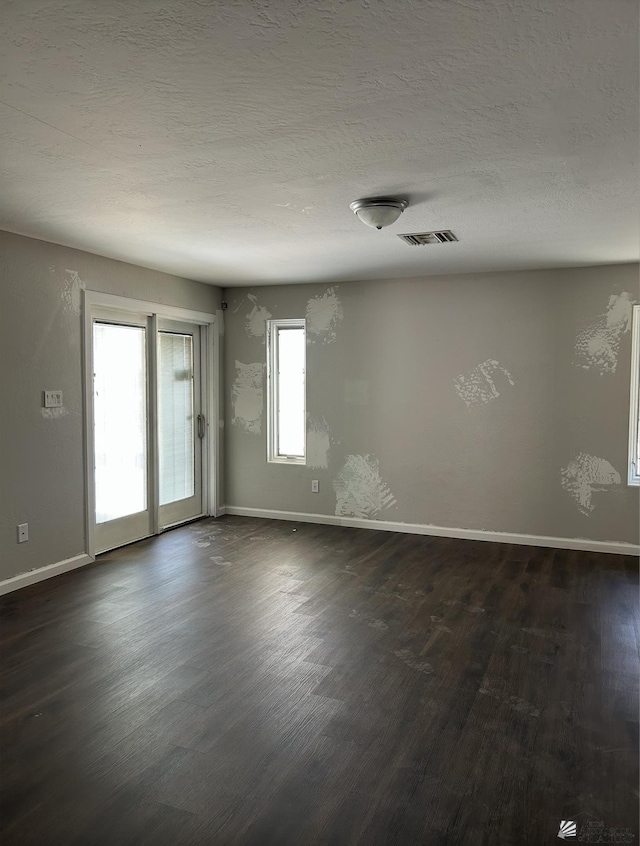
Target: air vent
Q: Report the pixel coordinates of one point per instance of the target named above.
(444, 236)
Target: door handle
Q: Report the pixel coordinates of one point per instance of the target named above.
(201, 426)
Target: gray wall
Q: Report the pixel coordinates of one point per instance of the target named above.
(41, 458)
(540, 456)
(411, 382)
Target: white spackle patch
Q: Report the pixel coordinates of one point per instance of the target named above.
(407, 657)
(479, 386)
(323, 315)
(71, 293)
(53, 413)
(318, 444)
(360, 492)
(598, 344)
(247, 397)
(255, 322)
(219, 561)
(585, 475)
(202, 544)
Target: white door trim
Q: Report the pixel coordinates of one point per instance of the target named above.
(212, 400)
(211, 396)
(118, 303)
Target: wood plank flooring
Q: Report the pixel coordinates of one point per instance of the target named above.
(245, 681)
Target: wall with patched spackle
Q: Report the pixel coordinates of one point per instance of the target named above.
(41, 450)
(496, 401)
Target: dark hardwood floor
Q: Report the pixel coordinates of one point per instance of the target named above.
(246, 681)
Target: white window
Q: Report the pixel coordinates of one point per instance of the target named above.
(286, 353)
(634, 418)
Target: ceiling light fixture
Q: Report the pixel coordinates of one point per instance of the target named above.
(379, 211)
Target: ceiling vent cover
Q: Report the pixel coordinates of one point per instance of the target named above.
(444, 236)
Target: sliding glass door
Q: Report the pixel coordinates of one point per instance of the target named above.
(148, 426)
(180, 423)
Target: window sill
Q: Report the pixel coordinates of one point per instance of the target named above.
(300, 462)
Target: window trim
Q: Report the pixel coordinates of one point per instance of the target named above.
(272, 388)
(634, 406)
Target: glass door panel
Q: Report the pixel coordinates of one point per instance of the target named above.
(120, 433)
(176, 417)
(180, 423)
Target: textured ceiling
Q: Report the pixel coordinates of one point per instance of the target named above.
(223, 140)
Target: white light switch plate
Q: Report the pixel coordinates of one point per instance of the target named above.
(23, 532)
(53, 399)
(314, 486)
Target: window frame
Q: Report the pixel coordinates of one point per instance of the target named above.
(273, 326)
(634, 405)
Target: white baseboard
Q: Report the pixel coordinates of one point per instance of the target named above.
(583, 544)
(42, 573)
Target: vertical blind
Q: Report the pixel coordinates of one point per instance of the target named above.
(176, 435)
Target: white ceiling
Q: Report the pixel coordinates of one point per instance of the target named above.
(224, 141)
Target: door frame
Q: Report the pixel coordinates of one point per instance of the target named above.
(210, 386)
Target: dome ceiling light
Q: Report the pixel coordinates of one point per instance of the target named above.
(379, 211)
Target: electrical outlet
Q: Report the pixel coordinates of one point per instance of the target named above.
(53, 399)
(23, 532)
(314, 486)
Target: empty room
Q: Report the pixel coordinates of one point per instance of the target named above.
(320, 442)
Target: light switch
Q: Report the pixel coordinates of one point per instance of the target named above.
(53, 399)
(314, 486)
